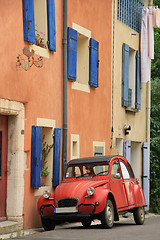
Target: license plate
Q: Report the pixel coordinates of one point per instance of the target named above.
(66, 210)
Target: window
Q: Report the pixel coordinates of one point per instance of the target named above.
(98, 148)
(131, 81)
(125, 172)
(82, 59)
(39, 22)
(74, 146)
(129, 12)
(87, 170)
(115, 172)
(99, 151)
(131, 171)
(132, 77)
(82, 56)
(53, 160)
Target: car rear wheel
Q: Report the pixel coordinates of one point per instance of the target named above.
(86, 223)
(139, 215)
(107, 216)
(48, 224)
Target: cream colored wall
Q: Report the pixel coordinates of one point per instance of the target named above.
(138, 120)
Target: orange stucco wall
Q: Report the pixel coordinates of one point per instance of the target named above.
(41, 89)
(89, 113)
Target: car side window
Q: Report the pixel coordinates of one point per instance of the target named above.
(131, 171)
(115, 172)
(125, 172)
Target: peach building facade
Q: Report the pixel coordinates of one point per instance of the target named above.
(31, 95)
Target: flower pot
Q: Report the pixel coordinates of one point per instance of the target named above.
(43, 180)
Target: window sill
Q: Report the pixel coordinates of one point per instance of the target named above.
(131, 109)
(81, 87)
(43, 52)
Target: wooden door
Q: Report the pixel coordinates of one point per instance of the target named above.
(3, 165)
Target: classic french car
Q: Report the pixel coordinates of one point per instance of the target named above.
(99, 187)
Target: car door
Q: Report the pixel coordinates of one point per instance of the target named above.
(128, 182)
(117, 186)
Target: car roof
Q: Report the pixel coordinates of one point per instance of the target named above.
(94, 159)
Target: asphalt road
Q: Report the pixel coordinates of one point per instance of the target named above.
(125, 229)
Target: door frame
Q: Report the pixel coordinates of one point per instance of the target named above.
(16, 159)
(3, 177)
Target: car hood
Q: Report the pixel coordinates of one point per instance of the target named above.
(77, 189)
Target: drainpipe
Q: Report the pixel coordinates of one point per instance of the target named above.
(64, 147)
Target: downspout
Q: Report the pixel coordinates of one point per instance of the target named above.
(65, 125)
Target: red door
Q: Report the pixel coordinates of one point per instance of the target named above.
(3, 165)
(117, 187)
(129, 184)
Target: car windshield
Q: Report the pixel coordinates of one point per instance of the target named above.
(87, 170)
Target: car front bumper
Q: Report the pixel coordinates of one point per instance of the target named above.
(68, 217)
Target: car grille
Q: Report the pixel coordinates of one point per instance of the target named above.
(67, 202)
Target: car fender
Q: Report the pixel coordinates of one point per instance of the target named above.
(46, 201)
(101, 195)
(139, 196)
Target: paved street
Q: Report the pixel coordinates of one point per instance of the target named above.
(125, 229)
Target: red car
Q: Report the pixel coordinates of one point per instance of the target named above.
(99, 187)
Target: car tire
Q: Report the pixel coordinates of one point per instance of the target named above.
(107, 216)
(47, 224)
(86, 223)
(139, 215)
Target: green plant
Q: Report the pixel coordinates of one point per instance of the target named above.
(39, 37)
(11, 236)
(18, 233)
(154, 147)
(44, 172)
(46, 148)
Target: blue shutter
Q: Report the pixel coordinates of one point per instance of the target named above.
(125, 74)
(138, 81)
(51, 25)
(146, 173)
(36, 156)
(93, 63)
(72, 54)
(28, 20)
(127, 150)
(56, 156)
(129, 96)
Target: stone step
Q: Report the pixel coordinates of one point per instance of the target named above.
(8, 227)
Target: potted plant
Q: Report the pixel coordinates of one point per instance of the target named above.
(46, 148)
(39, 38)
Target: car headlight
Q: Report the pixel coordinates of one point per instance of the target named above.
(90, 191)
(46, 194)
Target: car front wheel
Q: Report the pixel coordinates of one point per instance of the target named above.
(48, 224)
(107, 216)
(139, 215)
(86, 223)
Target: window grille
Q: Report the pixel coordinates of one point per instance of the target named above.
(129, 12)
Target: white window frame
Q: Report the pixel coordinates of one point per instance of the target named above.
(98, 144)
(80, 83)
(75, 149)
